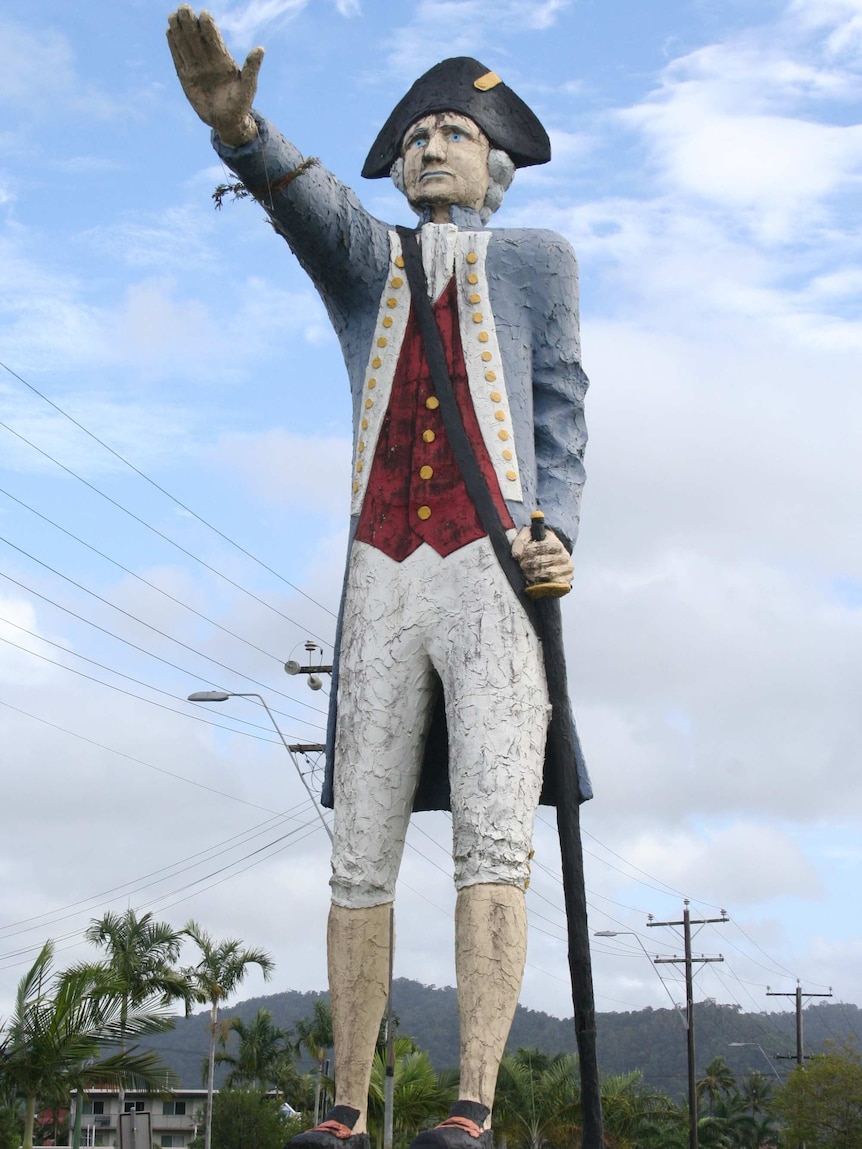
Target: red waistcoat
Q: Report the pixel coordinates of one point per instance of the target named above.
(415, 492)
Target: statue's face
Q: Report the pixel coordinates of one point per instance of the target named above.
(445, 163)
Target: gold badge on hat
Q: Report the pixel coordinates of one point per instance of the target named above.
(487, 82)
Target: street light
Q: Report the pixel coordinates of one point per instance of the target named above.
(632, 934)
(740, 1044)
(223, 696)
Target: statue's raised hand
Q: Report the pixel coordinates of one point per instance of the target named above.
(219, 91)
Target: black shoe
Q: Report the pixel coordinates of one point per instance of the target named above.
(462, 1129)
(334, 1132)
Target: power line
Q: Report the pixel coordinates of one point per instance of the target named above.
(162, 490)
(129, 615)
(156, 531)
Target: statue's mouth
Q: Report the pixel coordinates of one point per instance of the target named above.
(433, 174)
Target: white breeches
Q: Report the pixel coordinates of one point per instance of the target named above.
(458, 617)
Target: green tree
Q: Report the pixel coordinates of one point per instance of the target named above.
(247, 1119)
(635, 1114)
(821, 1102)
(221, 968)
(718, 1080)
(263, 1049)
(422, 1096)
(538, 1100)
(314, 1035)
(59, 1027)
(141, 956)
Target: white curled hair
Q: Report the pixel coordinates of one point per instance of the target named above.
(501, 172)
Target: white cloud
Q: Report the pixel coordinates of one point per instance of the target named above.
(245, 20)
(469, 26)
(38, 74)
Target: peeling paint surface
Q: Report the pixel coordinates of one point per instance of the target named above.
(405, 625)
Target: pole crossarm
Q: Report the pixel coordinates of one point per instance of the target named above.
(685, 960)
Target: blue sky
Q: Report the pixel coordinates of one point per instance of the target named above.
(707, 166)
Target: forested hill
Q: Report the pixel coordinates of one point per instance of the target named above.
(652, 1040)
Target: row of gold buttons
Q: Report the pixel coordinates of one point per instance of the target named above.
(396, 282)
(490, 374)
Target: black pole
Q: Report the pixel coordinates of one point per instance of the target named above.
(689, 1018)
(563, 748)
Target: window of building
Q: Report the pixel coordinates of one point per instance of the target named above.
(93, 1107)
(174, 1108)
(134, 1107)
(171, 1141)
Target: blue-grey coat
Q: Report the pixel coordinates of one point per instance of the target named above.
(530, 276)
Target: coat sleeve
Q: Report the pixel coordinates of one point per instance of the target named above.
(342, 247)
(559, 387)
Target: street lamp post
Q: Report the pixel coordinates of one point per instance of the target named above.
(223, 696)
(740, 1044)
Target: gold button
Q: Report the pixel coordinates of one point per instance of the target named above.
(387, 320)
(483, 337)
(472, 277)
(487, 356)
(355, 488)
(472, 257)
(428, 436)
(507, 454)
(495, 396)
(382, 341)
(475, 297)
(399, 260)
(369, 403)
(432, 402)
(478, 317)
(364, 424)
(424, 513)
(391, 301)
(511, 475)
(504, 435)
(376, 362)
(372, 383)
(491, 376)
(359, 465)
(500, 416)
(361, 446)
(426, 472)
(397, 282)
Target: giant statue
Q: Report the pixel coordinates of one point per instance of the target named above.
(462, 348)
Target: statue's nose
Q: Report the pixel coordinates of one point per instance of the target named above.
(435, 149)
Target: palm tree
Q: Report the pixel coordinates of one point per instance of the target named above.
(718, 1079)
(314, 1034)
(59, 1026)
(222, 967)
(421, 1098)
(538, 1100)
(259, 1062)
(141, 954)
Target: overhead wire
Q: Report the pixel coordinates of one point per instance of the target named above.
(117, 455)
(129, 677)
(161, 534)
(134, 618)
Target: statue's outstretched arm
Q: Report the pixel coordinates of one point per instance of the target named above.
(216, 87)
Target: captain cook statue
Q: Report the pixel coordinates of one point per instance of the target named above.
(462, 349)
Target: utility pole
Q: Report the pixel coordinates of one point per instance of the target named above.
(688, 960)
(797, 994)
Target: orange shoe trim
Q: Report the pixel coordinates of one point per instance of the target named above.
(342, 1132)
(462, 1123)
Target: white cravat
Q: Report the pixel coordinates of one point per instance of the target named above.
(438, 256)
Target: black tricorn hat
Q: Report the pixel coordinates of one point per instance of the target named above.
(463, 85)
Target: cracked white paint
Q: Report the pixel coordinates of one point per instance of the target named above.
(403, 621)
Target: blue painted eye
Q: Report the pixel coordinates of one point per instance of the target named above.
(456, 136)
(419, 142)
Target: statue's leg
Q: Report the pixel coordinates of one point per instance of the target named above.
(497, 713)
(386, 691)
(490, 950)
(358, 956)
